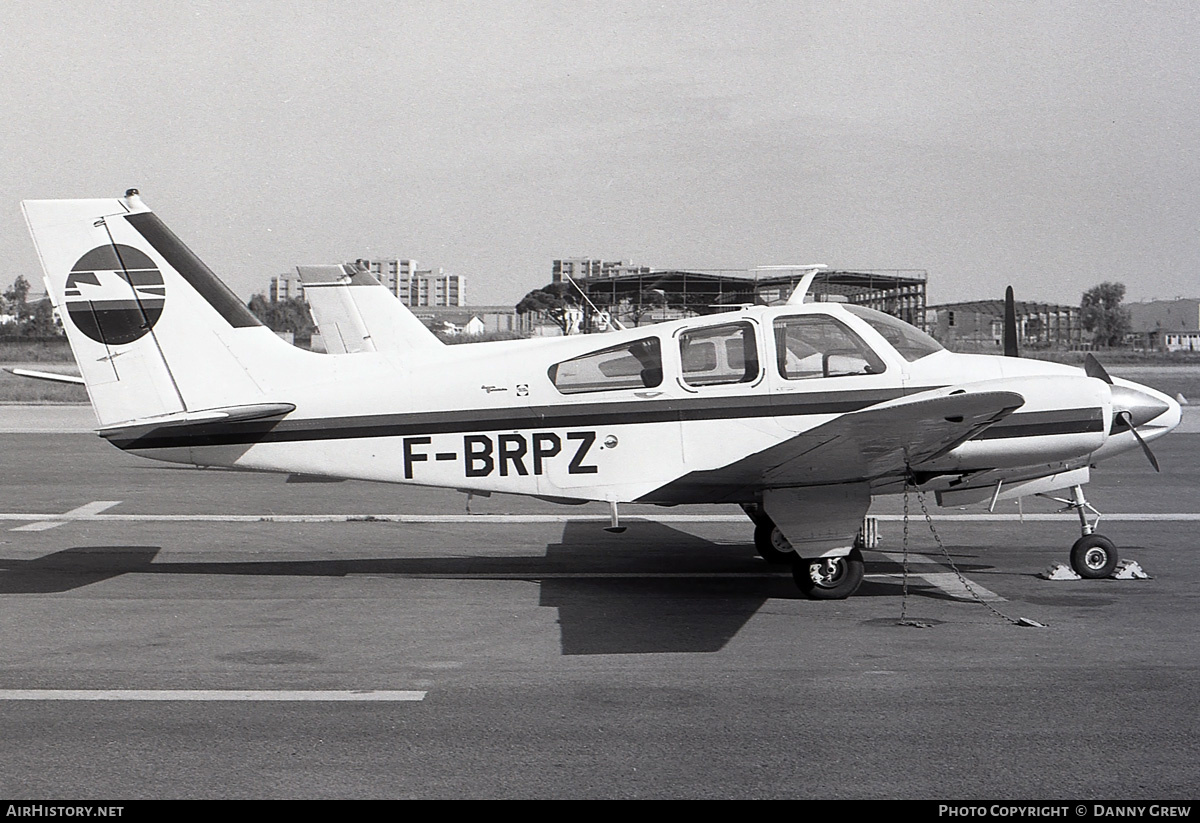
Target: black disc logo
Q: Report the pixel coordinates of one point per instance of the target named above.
(115, 294)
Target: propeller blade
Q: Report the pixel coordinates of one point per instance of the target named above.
(1127, 418)
(1010, 324)
(1092, 368)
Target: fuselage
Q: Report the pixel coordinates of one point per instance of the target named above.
(624, 415)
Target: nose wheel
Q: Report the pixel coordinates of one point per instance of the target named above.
(1093, 556)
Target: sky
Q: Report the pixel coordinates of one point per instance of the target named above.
(1046, 145)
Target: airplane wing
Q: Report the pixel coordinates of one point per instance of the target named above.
(873, 443)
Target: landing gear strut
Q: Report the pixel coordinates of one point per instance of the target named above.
(1093, 556)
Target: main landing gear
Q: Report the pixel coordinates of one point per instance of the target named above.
(1092, 556)
(770, 543)
(820, 578)
(829, 578)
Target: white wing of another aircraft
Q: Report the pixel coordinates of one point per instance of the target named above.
(355, 313)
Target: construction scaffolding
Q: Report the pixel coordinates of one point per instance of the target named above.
(655, 296)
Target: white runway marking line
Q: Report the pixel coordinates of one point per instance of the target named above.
(85, 512)
(948, 582)
(210, 695)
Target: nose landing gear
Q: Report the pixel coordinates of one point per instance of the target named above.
(1093, 556)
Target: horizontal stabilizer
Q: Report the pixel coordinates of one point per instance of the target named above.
(229, 414)
(313, 478)
(53, 377)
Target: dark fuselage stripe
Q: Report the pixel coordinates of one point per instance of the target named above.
(590, 415)
(1037, 424)
(584, 415)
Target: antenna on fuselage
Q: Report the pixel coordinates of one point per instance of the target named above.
(801, 291)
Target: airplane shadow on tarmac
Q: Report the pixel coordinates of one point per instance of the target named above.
(654, 589)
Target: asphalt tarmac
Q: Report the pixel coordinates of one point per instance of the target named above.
(177, 633)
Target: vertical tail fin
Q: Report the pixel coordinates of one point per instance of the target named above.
(356, 313)
(154, 331)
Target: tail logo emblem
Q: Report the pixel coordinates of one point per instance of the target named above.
(115, 294)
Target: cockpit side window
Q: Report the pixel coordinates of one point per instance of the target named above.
(634, 365)
(815, 345)
(719, 355)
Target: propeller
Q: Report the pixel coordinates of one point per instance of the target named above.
(1130, 406)
(1010, 324)
(1127, 418)
(1092, 368)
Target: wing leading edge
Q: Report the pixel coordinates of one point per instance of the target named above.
(876, 442)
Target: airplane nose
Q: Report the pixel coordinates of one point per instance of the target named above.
(1140, 406)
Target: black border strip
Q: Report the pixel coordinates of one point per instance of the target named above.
(192, 269)
(590, 415)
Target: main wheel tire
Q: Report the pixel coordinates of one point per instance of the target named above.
(770, 543)
(829, 578)
(1094, 556)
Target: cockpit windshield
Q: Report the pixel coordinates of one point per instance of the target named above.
(909, 341)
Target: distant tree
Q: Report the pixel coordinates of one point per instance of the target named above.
(1103, 315)
(38, 320)
(291, 315)
(16, 294)
(553, 301)
(31, 319)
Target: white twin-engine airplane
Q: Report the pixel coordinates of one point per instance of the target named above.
(799, 413)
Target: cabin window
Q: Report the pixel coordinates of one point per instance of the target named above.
(636, 365)
(720, 354)
(909, 342)
(816, 345)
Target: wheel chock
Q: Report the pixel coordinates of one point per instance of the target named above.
(1129, 570)
(1059, 571)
